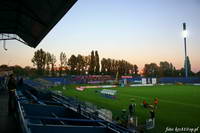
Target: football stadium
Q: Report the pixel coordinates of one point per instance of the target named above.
(122, 69)
(178, 104)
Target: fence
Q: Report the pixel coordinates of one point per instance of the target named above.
(179, 79)
(168, 80)
(60, 80)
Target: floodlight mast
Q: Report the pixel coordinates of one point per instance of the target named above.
(186, 62)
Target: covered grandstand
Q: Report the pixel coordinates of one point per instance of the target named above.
(27, 22)
(30, 21)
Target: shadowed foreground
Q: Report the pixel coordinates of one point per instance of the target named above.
(8, 124)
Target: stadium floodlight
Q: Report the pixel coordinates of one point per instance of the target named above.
(184, 30)
(185, 35)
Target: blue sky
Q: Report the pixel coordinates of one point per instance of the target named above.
(140, 31)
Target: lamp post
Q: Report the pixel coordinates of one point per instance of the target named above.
(186, 62)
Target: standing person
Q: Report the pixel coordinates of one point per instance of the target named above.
(20, 83)
(132, 119)
(156, 103)
(152, 113)
(132, 107)
(144, 103)
(124, 118)
(11, 92)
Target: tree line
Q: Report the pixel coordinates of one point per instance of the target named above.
(80, 64)
(45, 64)
(122, 67)
(166, 69)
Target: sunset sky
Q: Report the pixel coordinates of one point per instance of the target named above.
(139, 31)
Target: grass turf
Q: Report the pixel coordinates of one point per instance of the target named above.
(179, 105)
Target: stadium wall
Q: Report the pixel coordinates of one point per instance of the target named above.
(169, 79)
(179, 79)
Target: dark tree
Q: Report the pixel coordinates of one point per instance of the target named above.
(92, 63)
(198, 74)
(97, 65)
(48, 61)
(103, 66)
(39, 60)
(151, 70)
(53, 62)
(18, 70)
(80, 64)
(87, 60)
(63, 62)
(166, 69)
(72, 62)
(190, 73)
(28, 71)
(135, 69)
(112, 67)
(4, 67)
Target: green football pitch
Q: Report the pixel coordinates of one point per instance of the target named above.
(179, 105)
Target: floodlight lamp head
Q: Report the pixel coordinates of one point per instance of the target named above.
(184, 30)
(185, 33)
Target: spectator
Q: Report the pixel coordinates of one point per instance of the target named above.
(145, 104)
(152, 114)
(155, 102)
(11, 92)
(20, 83)
(132, 107)
(124, 118)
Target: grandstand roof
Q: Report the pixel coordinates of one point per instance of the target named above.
(31, 20)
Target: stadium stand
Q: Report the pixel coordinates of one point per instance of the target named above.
(56, 113)
(60, 80)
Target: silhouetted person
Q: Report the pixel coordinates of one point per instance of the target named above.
(156, 103)
(152, 114)
(124, 118)
(20, 83)
(145, 104)
(11, 92)
(132, 107)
